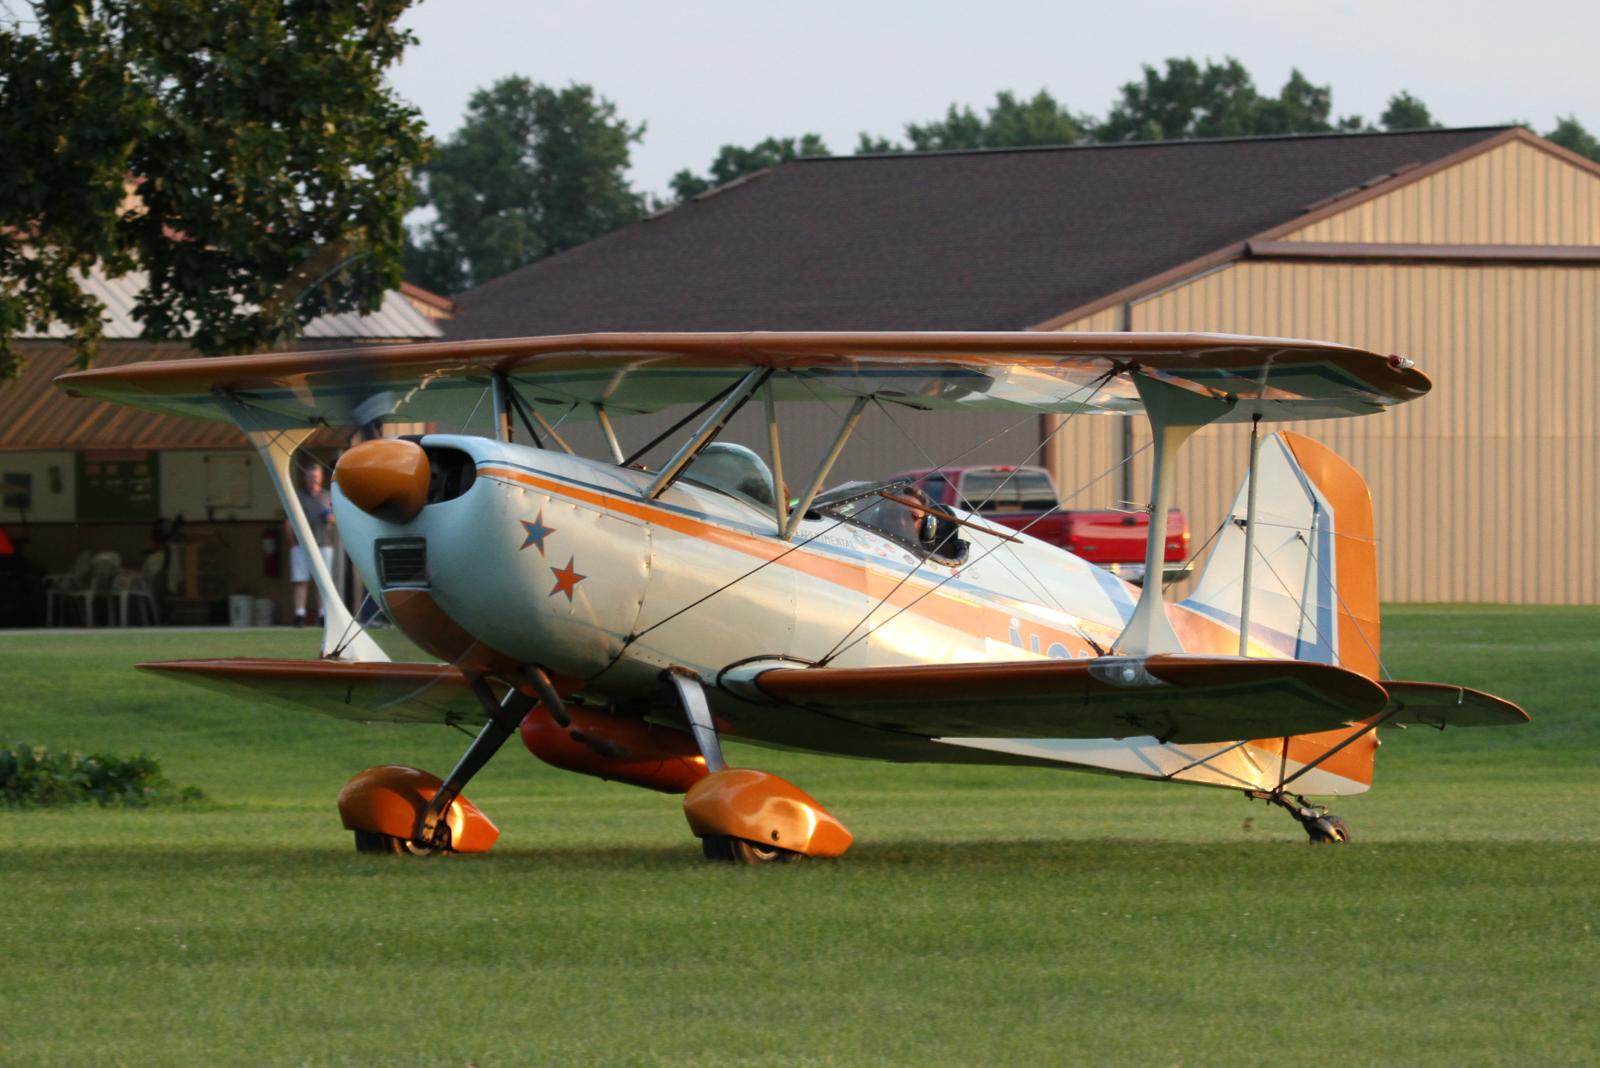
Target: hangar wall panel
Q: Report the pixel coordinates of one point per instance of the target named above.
(1517, 194)
(1083, 455)
(1483, 490)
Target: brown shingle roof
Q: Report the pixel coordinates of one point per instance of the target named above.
(34, 414)
(995, 240)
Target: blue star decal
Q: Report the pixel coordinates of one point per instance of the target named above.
(537, 532)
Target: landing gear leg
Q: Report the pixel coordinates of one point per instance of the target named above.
(1321, 826)
(504, 718)
(698, 713)
(748, 816)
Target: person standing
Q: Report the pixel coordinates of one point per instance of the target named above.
(318, 508)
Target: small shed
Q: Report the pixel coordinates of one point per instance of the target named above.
(82, 476)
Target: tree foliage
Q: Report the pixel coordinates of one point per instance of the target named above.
(247, 156)
(532, 171)
(1406, 112)
(734, 161)
(1216, 100)
(1569, 133)
(1010, 123)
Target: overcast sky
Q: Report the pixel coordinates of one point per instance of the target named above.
(703, 74)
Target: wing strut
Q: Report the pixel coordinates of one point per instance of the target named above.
(502, 402)
(845, 429)
(342, 637)
(617, 455)
(1249, 537)
(707, 432)
(780, 494)
(1175, 414)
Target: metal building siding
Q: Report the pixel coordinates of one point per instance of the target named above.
(1483, 489)
(1082, 454)
(1515, 194)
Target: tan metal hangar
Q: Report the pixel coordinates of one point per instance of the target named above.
(1474, 252)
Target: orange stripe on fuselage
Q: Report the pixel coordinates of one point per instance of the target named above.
(919, 598)
(1197, 632)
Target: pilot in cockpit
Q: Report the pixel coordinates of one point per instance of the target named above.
(901, 512)
(905, 515)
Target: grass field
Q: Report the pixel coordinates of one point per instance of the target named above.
(984, 916)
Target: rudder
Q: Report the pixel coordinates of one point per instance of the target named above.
(1314, 585)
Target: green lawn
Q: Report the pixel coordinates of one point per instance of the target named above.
(983, 916)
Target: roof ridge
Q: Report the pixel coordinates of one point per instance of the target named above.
(1173, 142)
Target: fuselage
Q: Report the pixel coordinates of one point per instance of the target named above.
(564, 562)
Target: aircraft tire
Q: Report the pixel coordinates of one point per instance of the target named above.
(739, 851)
(389, 845)
(1328, 830)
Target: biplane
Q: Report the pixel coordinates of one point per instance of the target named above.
(624, 618)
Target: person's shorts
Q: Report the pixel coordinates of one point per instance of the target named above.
(300, 563)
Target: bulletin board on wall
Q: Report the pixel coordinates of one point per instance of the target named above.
(117, 486)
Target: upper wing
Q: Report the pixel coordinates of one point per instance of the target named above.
(1176, 698)
(368, 692)
(1046, 372)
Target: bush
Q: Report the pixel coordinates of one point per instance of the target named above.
(31, 776)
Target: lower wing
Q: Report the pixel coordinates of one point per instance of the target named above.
(1174, 698)
(368, 692)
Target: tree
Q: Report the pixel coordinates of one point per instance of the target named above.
(1299, 108)
(1187, 101)
(533, 171)
(247, 156)
(1406, 112)
(1569, 133)
(734, 161)
(1010, 123)
(1217, 100)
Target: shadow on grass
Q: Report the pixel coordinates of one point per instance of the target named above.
(1032, 856)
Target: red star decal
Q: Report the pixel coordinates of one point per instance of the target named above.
(566, 579)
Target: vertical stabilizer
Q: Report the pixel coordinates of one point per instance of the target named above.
(1314, 585)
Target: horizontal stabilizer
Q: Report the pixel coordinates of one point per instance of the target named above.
(366, 692)
(1174, 698)
(1439, 704)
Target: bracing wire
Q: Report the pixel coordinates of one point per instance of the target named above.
(964, 502)
(846, 643)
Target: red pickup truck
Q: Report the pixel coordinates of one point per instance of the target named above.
(1021, 497)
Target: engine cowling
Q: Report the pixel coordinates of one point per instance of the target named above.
(620, 748)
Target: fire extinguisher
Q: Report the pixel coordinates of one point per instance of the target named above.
(271, 554)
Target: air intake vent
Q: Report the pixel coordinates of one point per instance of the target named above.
(403, 562)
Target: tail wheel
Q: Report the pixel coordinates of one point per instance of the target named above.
(741, 851)
(1328, 830)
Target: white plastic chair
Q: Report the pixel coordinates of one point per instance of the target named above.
(140, 585)
(57, 586)
(103, 570)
